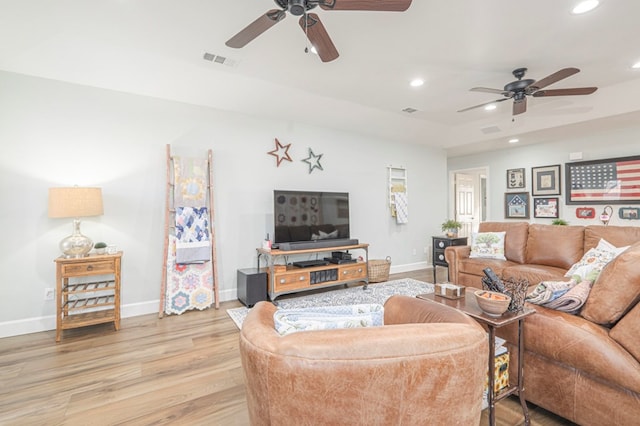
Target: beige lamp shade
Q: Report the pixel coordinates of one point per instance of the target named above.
(75, 202)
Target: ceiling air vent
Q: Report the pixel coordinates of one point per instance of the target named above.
(409, 110)
(218, 59)
(491, 129)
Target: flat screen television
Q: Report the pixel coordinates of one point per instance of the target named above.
(302, 216)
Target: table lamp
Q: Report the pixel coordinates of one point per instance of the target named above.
(75, 202)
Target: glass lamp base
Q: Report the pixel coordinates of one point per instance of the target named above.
(76, 244)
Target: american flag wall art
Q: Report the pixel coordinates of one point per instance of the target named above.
(611, 181)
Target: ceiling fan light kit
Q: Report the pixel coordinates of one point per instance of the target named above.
(310, 22)
(519, 89)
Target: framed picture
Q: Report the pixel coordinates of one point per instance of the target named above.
(515, 179)
(546, 207)
(610, 181)
(545, 180)
(629, 213)
(585, 213)
(516, 205)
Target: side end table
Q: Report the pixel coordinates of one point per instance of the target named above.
(469, 306)
(83, 295)
(437, 251)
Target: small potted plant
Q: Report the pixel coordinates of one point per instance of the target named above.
(100, 247)
(450, 228)
(559, 222)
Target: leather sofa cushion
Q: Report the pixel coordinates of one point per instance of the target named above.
(573, 341)
(626, 332)
(619, 236)
(476, 265)
(515, 240)
(555, 245)
(616, 290)
(534, 273)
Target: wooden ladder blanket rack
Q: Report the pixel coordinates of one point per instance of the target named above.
(203, 299)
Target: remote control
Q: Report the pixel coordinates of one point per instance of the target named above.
(497, 283)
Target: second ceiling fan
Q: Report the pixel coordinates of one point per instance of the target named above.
(519, 90)
(310, 22)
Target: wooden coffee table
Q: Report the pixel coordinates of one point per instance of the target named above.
(469, 306)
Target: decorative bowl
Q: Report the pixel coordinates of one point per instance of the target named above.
(492, 303)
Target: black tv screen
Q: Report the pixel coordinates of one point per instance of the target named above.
(310, 216)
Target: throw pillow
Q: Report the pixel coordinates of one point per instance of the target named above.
(592, 262)
(289, 321)
(606, 245)
(487, 245)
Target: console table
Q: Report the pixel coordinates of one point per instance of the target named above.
(284, 278)
(469, 306)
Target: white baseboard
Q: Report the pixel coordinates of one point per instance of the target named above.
(46, 323)
(409, 267)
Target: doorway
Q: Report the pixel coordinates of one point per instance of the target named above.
(468, 201)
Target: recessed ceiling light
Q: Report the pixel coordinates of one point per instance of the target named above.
(585, 6)
(514, 140)
(416, 82)
(490, 107)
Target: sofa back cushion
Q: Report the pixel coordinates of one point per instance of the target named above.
(555, 245)
(619, 236)
(515, 240)
(616, 290)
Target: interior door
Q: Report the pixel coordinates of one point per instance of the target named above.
(466, 202)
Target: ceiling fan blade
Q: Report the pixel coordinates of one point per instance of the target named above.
(318, 36)
(489, 90)
(375, 5)
(565, 92)
(519, 106)
(257, 27)
(481, 105)
(556, 76)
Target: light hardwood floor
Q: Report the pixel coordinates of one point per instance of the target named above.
(176, 370)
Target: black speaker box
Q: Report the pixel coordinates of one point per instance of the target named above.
(252, 286)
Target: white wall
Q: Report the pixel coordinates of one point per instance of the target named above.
(57, 134)
(595, 145)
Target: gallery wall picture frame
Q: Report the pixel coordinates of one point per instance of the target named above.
(545, 180)
(546, 207)
(516, 205)
(516, 179)
(629, 213)
(585, 213)
(606, 181)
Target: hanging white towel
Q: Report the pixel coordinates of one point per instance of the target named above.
(401, 203)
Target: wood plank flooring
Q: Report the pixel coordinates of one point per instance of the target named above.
(176, 370)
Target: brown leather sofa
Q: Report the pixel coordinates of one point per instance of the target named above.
(426, 365)
(586, 367)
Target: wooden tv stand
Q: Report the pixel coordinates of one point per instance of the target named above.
(290, 279)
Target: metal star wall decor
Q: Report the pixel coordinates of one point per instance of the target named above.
(281, 152)
(313, 161)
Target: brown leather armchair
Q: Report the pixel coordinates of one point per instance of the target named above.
(426, 365)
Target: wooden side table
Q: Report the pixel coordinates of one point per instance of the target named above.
(469, 306)
(83, 295)
(437, 252)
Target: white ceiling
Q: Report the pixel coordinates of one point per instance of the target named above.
(155, 48)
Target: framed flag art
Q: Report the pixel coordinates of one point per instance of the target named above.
(609, 181)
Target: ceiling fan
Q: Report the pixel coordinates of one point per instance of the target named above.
(519, 90)
(310, 22)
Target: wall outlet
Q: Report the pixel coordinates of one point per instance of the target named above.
(49, 293)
